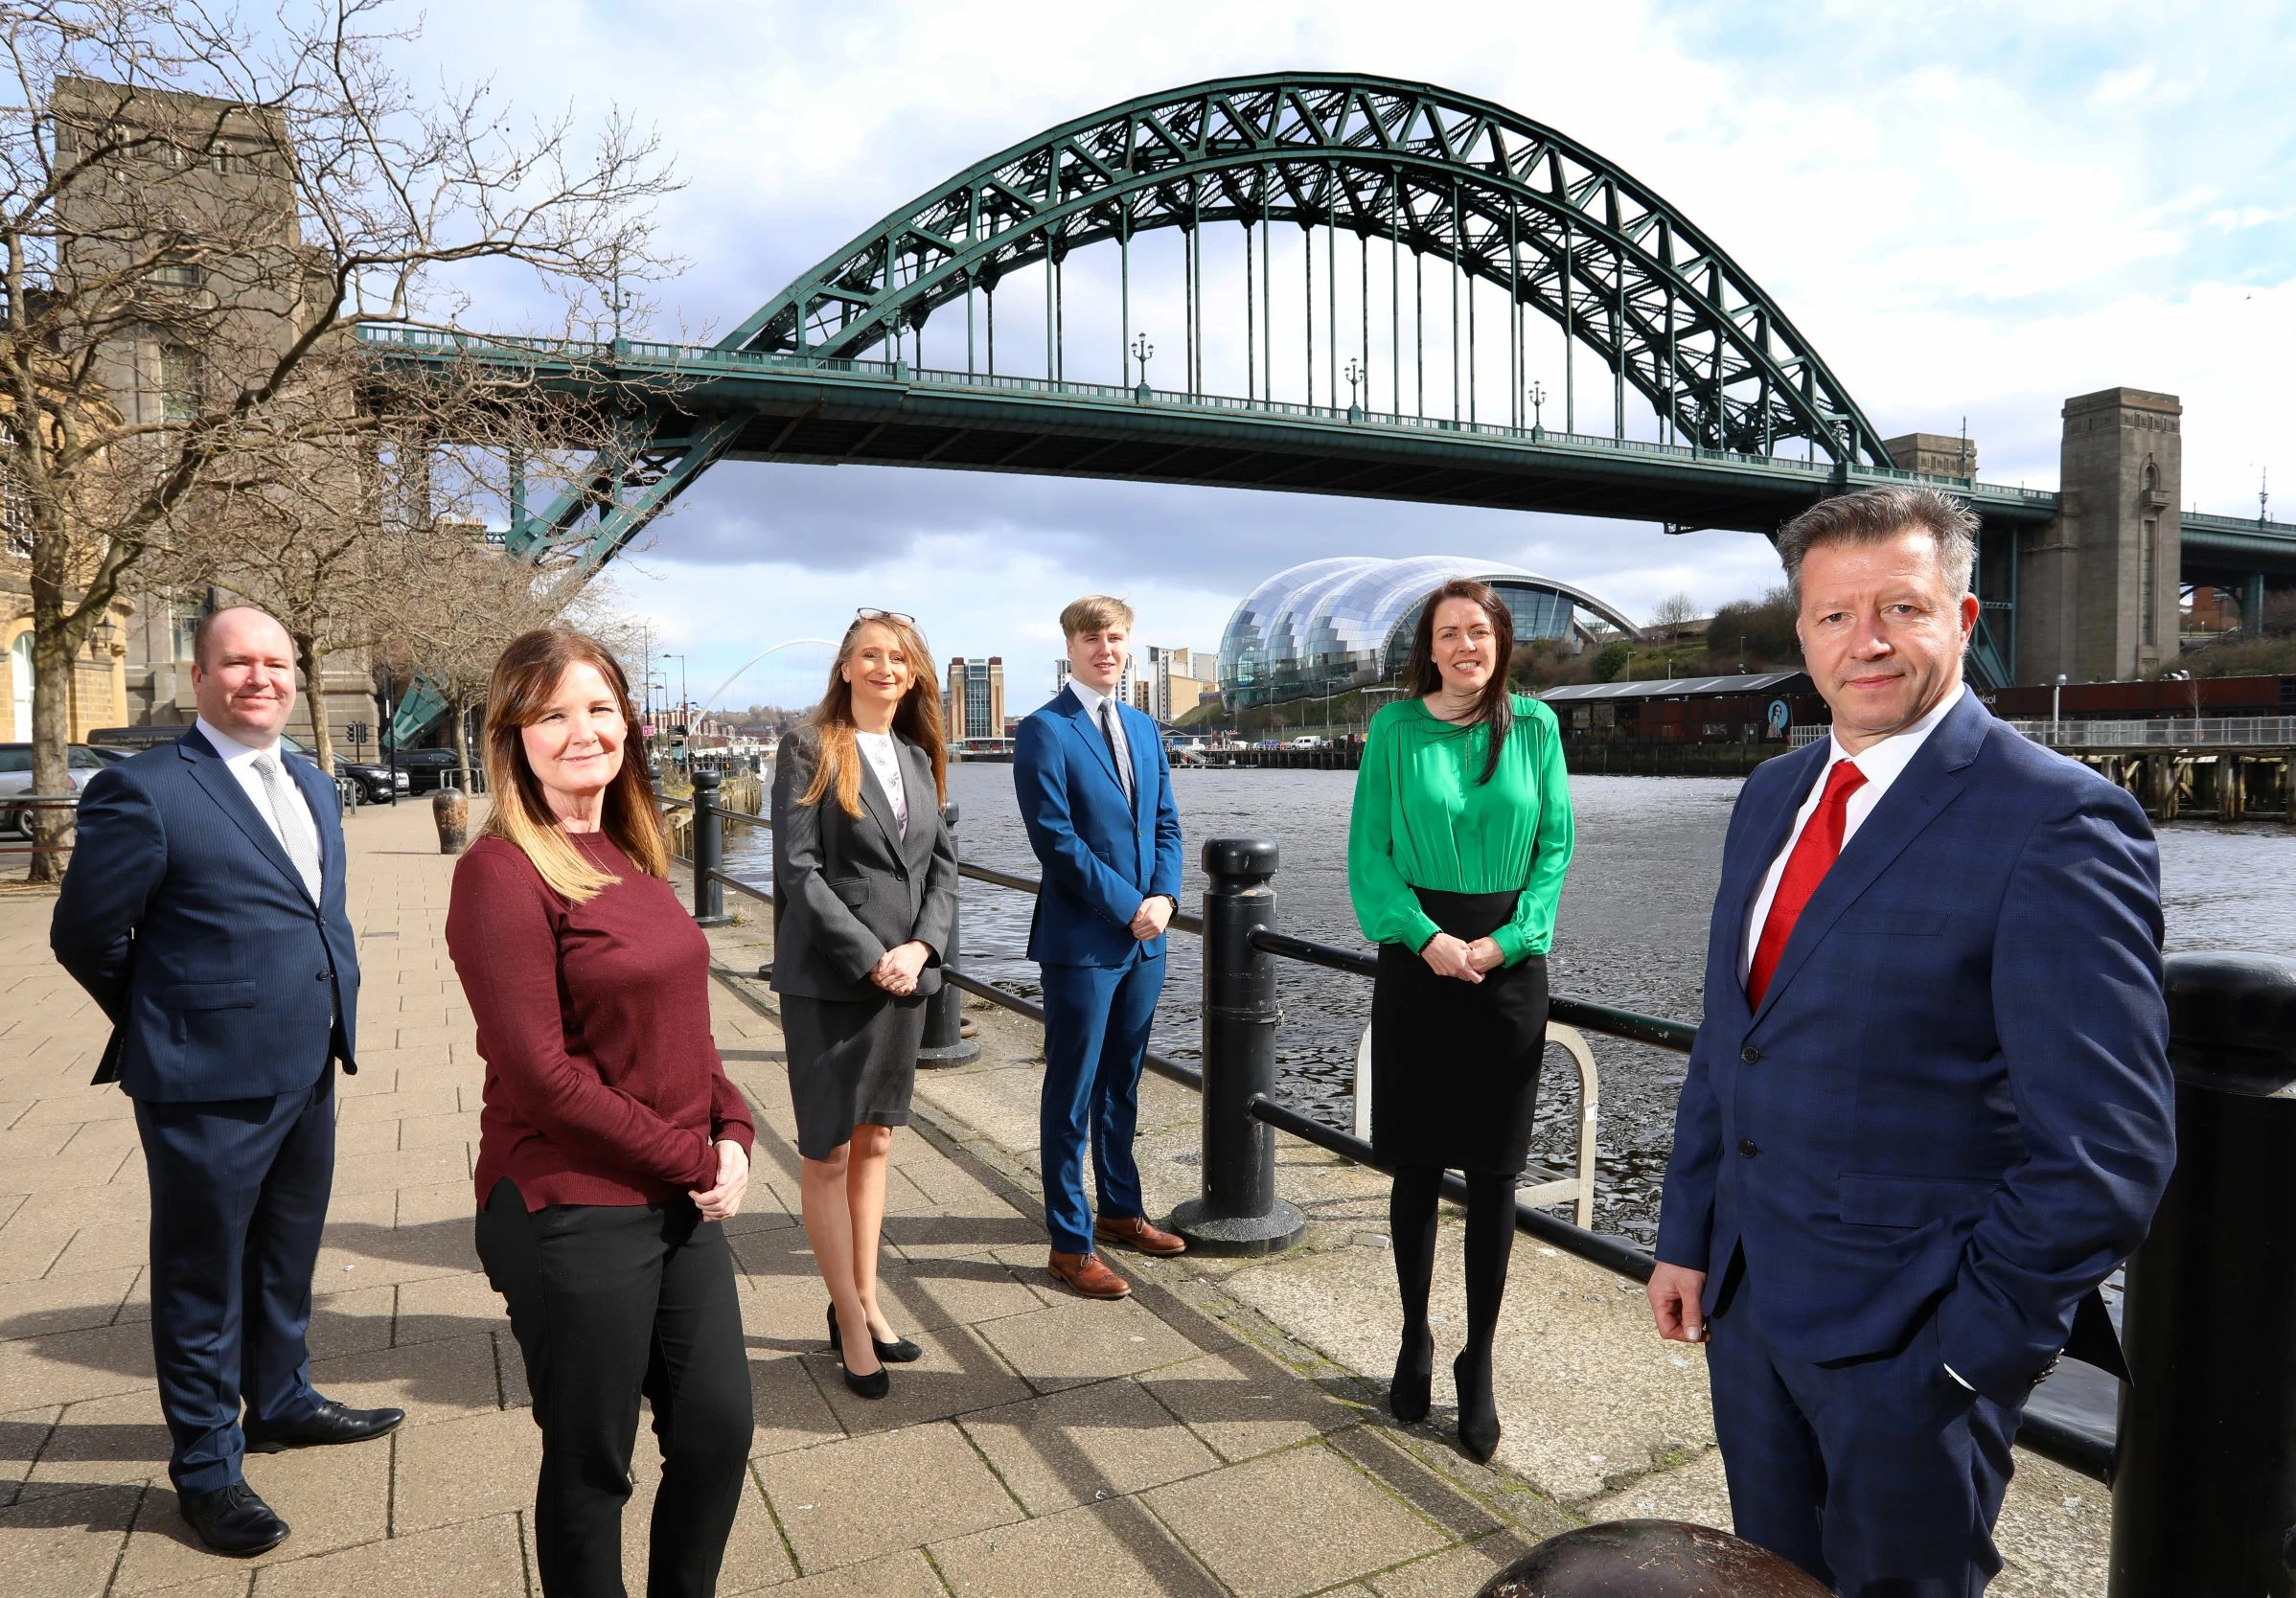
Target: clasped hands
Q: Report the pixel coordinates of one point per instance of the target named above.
(1149, 921)
(897, 968)
(722, 1201)
(1456, 957)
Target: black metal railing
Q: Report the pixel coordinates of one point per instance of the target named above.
(2199, 1455)
(16, 824)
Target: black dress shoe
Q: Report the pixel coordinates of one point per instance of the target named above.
(898, 1351)
(232, 1520)
(330, 1423)
(877, 1382)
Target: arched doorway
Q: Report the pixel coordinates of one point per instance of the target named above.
(19, 672)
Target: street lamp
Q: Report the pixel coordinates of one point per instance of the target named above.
(2055, 691)
(1355, 376)
(1143, 351)
(1538, 397)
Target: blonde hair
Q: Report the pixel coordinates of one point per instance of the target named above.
(1094, 613)
(917, 718)
(526, 678)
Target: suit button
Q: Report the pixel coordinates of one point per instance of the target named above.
(1751, 1055)
(322, 976)
(900, 875)
(1746, 1147)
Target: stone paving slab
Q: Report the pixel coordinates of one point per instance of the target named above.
(1179, 1443)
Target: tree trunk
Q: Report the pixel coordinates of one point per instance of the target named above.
(308, 656)
(49, 829)
(462, 740)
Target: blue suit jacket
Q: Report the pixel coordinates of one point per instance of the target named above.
(182, 916)
(1101, 856)
(1956, 1092)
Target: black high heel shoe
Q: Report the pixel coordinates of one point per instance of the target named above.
(898, 1351)
(874, 1386)
(1412, 1388)
(1478, 1413)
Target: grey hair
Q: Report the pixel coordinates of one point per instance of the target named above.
(1870, 516)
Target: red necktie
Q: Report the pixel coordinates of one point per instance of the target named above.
(1814, 850)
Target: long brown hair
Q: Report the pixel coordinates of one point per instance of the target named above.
(917, 718)
(1425, 678)
(525, 679)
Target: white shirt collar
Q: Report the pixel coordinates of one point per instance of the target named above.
(1881, 763)
(1086, 695)
(234, 752)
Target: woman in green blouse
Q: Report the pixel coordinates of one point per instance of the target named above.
(1455, 856)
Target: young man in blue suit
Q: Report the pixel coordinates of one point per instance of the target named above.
(1929, 1109)
(1096, 797)
(203, 911)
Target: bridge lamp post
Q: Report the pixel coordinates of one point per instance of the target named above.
(2056, 691)
(1538, 398)
(1356, 375)
(1142, 352)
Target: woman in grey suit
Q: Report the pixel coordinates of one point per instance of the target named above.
(864, 903)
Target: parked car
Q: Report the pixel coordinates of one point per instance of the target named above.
(80, 763)
(376, 782)
(427, 769)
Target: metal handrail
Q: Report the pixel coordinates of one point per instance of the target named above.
(2075, 1448)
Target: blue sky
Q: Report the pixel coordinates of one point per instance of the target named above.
(1970, 210)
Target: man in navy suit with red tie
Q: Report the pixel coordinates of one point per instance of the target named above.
(1929, 1109)
(1096, 795)
(204, 912)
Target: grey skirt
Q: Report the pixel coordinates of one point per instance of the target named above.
(852, 1062)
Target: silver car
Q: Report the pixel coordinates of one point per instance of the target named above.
(82, 760)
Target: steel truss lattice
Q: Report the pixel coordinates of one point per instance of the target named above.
(1513, 203)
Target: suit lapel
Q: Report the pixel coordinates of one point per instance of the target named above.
(1925, 787)
(916, 773)
(1089, 730)
(875, 802)
(1747, 871)
(212, 775)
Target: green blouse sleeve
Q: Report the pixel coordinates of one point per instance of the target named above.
(1531, 930)
(1384, 906)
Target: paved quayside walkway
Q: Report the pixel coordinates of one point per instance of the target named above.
(1216, 1434)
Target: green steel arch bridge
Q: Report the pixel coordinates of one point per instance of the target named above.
(1562, 287)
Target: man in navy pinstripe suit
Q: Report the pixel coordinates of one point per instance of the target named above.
(1930, 1109)
(203, 911)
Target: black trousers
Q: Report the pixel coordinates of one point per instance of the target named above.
(239, 1198)
(611, 1303)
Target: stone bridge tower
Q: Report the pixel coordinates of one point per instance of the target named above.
(2099, 596)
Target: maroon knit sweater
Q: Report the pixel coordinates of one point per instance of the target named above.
(603, 1085)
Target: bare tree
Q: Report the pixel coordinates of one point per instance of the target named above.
(192, 218)
(1674, 613)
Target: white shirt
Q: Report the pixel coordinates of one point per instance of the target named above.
(1091, 698)
(240, 759)
(1882, 763)
(885, 759)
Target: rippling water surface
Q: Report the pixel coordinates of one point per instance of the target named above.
(1632, 932)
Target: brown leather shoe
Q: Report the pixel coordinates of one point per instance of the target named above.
(1134, 1232)
(1085, 1273)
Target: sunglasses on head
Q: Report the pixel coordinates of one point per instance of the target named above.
(868, 613)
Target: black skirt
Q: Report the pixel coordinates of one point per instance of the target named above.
(852, 1062)
(1455, 1065)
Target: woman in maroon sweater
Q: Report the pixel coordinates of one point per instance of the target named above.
(611, 1145)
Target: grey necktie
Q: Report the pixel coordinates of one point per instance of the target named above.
(294, 832)
(1115, 750)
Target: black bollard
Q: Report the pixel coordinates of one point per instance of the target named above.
(945, 1042)
(1650, 1558)
(709, 852)
(1238, 1212)
(2204, 1487)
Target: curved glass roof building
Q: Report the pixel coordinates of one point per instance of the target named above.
(1334, 624)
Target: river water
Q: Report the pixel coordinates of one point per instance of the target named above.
(1632, 932)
